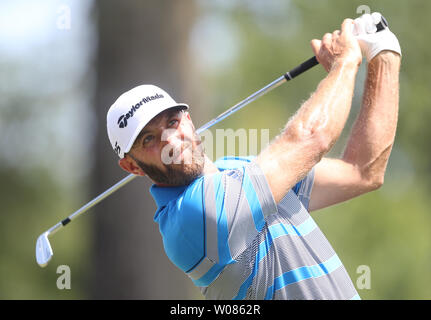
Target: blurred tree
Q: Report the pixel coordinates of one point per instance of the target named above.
(43, 91)
(139, 42)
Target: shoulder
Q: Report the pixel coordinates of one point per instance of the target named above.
(181, 224)
(182, 204)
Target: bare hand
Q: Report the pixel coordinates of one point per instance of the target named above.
(338, 47)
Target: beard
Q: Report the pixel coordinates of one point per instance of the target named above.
(177, 174)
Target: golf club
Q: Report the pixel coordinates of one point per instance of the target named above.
(44, 251)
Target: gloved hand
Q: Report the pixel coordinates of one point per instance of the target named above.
(372, 42)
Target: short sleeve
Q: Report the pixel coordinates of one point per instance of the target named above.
(304, 187)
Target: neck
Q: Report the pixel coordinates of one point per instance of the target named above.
(209, 166)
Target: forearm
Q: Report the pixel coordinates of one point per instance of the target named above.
(326, 111)
(373, 133)
(311, 132)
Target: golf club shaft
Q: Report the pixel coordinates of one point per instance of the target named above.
(286, 77)
(92, 203)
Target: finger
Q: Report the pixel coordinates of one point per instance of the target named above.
(315, 45)
(327, 40)
(368, 22)
(335, 34)
(347, 26)
(359, 28)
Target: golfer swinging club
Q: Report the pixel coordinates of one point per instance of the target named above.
(240, 228)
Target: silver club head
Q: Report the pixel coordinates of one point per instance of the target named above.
(43, 250)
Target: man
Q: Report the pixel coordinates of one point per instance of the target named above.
(240, 227)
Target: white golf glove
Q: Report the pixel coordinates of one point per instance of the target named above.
(371, 41)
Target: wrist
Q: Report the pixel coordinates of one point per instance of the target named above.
(386, 56)
(346, 63)
(388, 60)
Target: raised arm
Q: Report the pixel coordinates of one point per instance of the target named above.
(363, 164)
(313, 130)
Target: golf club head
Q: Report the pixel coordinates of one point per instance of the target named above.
(43, 250)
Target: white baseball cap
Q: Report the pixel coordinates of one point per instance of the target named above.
(131, 112)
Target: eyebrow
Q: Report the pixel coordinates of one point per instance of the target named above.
(168, 114)
(141, 134)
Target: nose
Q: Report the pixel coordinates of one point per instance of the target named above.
(182, 133)
(173, 144)
(173, 137)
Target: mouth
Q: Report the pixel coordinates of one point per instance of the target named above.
(181, 154)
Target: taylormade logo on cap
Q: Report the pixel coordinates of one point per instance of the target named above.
(122, 121)
(132, 111)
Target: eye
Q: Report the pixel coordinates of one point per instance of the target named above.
(173, 122)
(147, 139)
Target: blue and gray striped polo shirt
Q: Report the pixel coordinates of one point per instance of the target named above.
(225, 231)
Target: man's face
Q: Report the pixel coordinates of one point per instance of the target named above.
(168, 149)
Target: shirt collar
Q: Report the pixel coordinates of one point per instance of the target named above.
(162, 195)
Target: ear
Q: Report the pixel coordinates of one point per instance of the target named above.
(130, 166)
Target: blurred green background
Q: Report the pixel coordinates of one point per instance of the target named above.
(63, 63)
